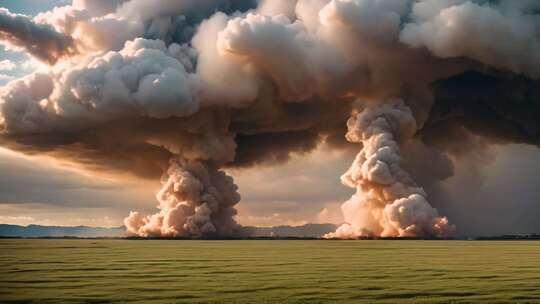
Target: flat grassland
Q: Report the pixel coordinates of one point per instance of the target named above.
(269, 271)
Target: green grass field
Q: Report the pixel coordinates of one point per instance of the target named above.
(269, 271)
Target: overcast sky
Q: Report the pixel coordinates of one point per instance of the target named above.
(307, 189)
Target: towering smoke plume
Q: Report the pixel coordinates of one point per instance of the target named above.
(387, 201)
(194, 87)
(195, 200)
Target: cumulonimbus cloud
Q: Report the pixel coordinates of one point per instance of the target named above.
(214, 84)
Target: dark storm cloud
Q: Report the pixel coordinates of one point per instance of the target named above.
(500, 106)
(40, 40)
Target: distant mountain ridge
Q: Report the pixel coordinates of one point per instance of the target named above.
(6, 230)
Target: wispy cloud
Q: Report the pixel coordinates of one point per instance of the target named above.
(7, 65)
(6, 78)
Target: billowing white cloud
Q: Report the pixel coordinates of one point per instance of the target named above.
(472, 30)
(215, 84)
